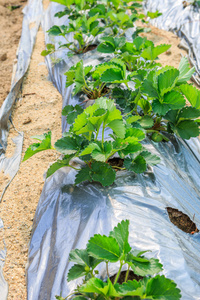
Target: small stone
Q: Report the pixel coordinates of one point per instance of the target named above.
(27, 121)
(3, 57)
(169, 52)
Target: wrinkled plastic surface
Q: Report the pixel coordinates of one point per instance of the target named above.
(67, 216)
(31, 21)
(183, 21)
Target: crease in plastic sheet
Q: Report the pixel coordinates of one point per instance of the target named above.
(185, 21)
(31, 21)
(67, 216)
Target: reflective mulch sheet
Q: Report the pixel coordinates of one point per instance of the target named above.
(184, 19)
(67, 216)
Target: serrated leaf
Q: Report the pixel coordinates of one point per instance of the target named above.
(162, 288)
(75, 272)
(106, 47)
(167, 80)
(171, 100)
(192, 94)
(186, 129)
(138, 165)
(149, 89)
(133, 119)
(151, 53)
(112, 75)
(55, 31)
(185, 71)
(59, 164)
(96, 285)
(83, 175)
(188, 112)
(104, 247)
(67, 145)
(38, 147)
(118, 128)
(146, 122)
(143, 268)
(130, 288)
(90, 148)
(121, 233)
(79, 256)
(135, 133)
(102, 173)
(151, 159)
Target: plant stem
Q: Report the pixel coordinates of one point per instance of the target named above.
(116, 167)
(127, 273)
(118, 274)
(107, 269)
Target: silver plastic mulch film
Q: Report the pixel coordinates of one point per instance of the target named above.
(68, 216)
(184, 19)
(31, 21)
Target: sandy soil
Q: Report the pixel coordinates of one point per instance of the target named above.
(41, 107)
(11, 24)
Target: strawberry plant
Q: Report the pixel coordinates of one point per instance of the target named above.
(115, 249)
(158, 104)
(141, 53)
(89, 19)
(95, 82)
(86, 140)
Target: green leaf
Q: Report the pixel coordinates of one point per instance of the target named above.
(67, 145)
(79, 256)
(55, 31)
(59, 164)
(102, 173)
(192, 94)
(38, 147)
(79, 77)
(106, 47)
(83, 175)
(112, 75)
(151, 159)
(143, 268)
(171, 100)
(146, 122)
(130, 288)
(162, 288)
(118, 128)
(185, 71)
(75, 272)
(188, 112)
(167, 80)
(120, 233)
(138, 165)
(104, 247)
(154, 15)
(149, 89)
(186, 129)
(151, 53)
(96, 285)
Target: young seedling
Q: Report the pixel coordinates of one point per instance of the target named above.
(95, 81)
(115, 249)
(86, 140)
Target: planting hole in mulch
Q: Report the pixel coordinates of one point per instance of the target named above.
(122, 276)
(116, 161)
(90, 48)
(182, 221)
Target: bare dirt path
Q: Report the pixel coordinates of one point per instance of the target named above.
(11, 25)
